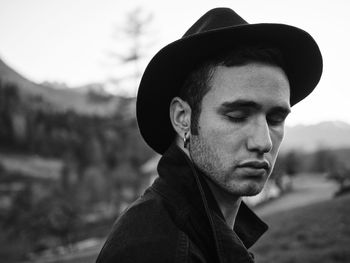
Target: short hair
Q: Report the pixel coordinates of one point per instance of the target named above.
(197, 84)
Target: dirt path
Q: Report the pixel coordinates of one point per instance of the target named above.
(308, 189)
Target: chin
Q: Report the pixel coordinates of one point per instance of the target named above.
(245, 190)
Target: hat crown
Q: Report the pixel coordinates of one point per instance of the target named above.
(215, 19)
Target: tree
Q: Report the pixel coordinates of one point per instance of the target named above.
(291, 163)
(9, 103)
(324, 161)
(133, 41)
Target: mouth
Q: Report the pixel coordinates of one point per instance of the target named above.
(255, 165)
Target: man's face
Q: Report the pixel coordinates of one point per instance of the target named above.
(241, 127)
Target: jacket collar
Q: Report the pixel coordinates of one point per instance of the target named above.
(184, 186)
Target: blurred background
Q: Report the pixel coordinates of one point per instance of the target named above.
(71, 157)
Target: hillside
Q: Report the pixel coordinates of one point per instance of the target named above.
(60, 99)
(330, 135)
(301, 137)
(318, 233)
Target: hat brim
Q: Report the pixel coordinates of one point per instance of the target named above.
(166, 72)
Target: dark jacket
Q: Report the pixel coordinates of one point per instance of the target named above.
(178, 220)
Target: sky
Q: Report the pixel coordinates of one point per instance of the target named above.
(70, 41)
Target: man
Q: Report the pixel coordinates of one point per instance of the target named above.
(213, 104)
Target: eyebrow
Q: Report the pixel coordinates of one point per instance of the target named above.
(239, 104)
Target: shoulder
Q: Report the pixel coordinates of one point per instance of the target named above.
(148, 215)
(145, 232)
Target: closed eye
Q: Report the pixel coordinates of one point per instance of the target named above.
(277, 118)
(238, 115)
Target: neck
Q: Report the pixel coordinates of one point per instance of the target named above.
(228, 204)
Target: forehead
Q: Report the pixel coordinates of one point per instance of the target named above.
(264, 84)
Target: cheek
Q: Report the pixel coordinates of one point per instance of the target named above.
(216, 139)
(225, 141)
(220, 134)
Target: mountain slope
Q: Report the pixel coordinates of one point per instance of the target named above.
(322, 135)
(58, 99)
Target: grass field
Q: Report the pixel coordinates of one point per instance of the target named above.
(317, 233)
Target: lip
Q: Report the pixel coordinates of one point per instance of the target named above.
(255, 165)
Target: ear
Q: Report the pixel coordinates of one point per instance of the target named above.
(180, 116)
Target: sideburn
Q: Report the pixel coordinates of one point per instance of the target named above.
(195, 120)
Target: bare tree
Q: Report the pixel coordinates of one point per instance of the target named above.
(132, 41)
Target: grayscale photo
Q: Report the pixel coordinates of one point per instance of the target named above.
(174, 132)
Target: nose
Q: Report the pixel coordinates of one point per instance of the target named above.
(259, 139)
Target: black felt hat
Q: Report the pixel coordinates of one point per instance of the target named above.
(218, 30)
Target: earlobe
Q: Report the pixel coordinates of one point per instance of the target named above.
(180, 116)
